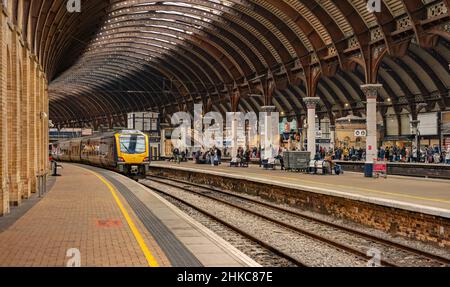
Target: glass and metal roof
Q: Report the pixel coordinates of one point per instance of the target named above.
(118, 56)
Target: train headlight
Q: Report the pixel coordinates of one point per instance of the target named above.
(146, 159)
(121, 159)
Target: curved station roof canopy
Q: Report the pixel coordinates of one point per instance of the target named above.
(239, 55)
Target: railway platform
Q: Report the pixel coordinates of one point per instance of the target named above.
(416, 194)
(413, 208)
(430, 196)
(94, 217)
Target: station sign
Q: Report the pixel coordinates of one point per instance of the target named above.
(143, 121)
(428, 124)
(87, 132)
(445, 123)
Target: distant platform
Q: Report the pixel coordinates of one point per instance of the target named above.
(428, 196)
(106, 219)
(420, 170)
(409, 169)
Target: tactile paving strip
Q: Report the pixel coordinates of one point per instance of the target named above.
(175, 251)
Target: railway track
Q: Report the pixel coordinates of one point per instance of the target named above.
(241, 232)
(331, 234)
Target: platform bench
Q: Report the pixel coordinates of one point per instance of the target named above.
(269, 166)
(238, 164)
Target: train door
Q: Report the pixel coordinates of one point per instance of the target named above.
(107, 152)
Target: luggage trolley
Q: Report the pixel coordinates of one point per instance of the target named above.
(379, 169)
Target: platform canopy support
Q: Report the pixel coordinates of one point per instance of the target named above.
(311, 104)
(269, 142)
(371, 93)
(332, 137)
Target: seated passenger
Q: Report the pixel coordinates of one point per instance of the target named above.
(197, 156)
(212, 155)
(330, 165)
(176, 155)
(245, 157)
(280, 157)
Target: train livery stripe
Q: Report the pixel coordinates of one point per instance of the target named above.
(137, 235)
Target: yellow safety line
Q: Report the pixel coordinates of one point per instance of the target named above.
(140, 240)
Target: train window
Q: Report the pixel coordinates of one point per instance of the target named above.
(132, 144)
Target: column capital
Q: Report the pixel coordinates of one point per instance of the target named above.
(268, 109)
(371, 90)
(415, 123)
(311, 102)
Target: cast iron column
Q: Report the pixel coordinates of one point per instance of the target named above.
(269, 141)
(371, 93)
(311, 103)
(332, 137)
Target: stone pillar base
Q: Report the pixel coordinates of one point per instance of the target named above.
(4, 199)
(26, 189)
(15, 193)
(33, 184)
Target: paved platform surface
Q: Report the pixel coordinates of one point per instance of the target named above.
(424, 195)
(112, 221)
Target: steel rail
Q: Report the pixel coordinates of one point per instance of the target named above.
(442, 260)
(234, 228)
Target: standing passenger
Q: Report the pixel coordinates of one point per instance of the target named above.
(212, 153)
(414, 154)
(447, 156)
(219, 156)
(176, 153)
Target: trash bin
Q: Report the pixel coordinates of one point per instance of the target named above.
(54, 168)
(338, 169)
(368, 170)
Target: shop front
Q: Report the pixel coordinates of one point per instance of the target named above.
(400, 141)
(346, 135)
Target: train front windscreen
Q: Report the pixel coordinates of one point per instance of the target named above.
(132, 144)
